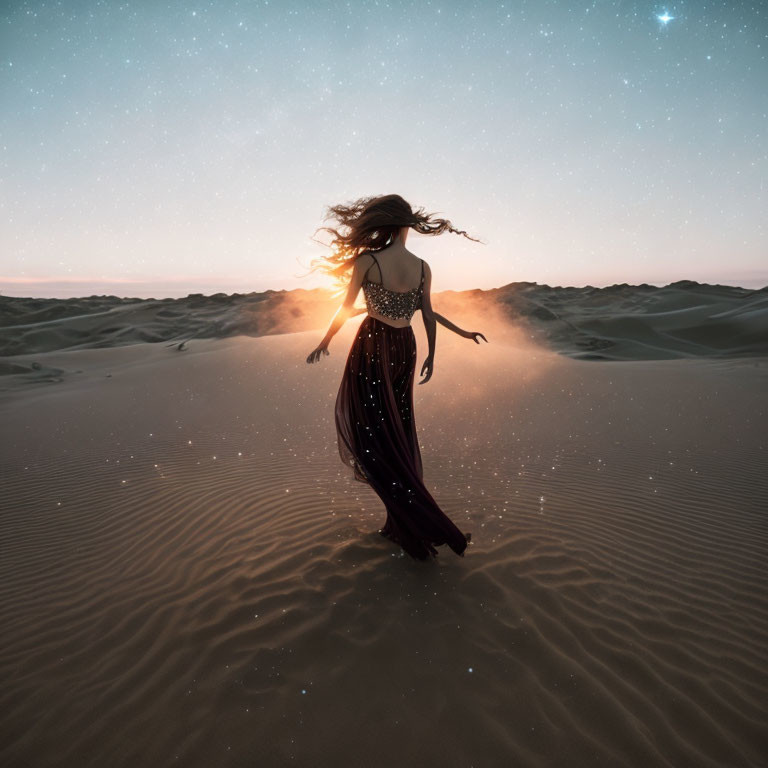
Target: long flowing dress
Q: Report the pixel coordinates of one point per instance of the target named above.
(376, 435)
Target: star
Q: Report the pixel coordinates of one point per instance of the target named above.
(664, 18)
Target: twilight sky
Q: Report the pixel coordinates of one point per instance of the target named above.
(161, 148)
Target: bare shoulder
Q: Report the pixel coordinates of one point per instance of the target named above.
(364, 261)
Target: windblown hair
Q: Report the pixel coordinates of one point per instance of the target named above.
(373, 224)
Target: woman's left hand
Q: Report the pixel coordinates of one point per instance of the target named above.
(314, 355)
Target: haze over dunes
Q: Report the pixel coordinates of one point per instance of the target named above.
(620, 322)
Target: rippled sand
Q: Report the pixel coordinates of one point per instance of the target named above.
(190, 576)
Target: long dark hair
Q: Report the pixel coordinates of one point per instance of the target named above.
(373, 224)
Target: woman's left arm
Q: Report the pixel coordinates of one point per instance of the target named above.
(346, 310)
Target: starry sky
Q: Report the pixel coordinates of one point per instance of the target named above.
(160, 148)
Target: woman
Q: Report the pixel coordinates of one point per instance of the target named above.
(375, 427)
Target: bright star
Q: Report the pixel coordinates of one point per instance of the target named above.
(665, 18)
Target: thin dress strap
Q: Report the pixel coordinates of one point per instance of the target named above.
(377, 264)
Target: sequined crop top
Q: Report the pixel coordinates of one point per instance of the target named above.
(396, 305)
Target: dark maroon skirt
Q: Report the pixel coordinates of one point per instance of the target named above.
(376, 435)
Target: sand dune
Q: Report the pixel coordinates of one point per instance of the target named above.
(625, 322)
(621, 322)
(46, 325)
(190, 576)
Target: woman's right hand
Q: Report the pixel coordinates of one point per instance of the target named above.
(473, 335)
(428, 367)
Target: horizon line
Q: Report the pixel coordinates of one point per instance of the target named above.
(147, 286)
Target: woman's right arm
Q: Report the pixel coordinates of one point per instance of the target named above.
(428, 316)
(455, 328)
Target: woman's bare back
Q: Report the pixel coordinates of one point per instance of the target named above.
(400, 270)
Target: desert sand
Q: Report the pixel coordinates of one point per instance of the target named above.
(190, 576)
